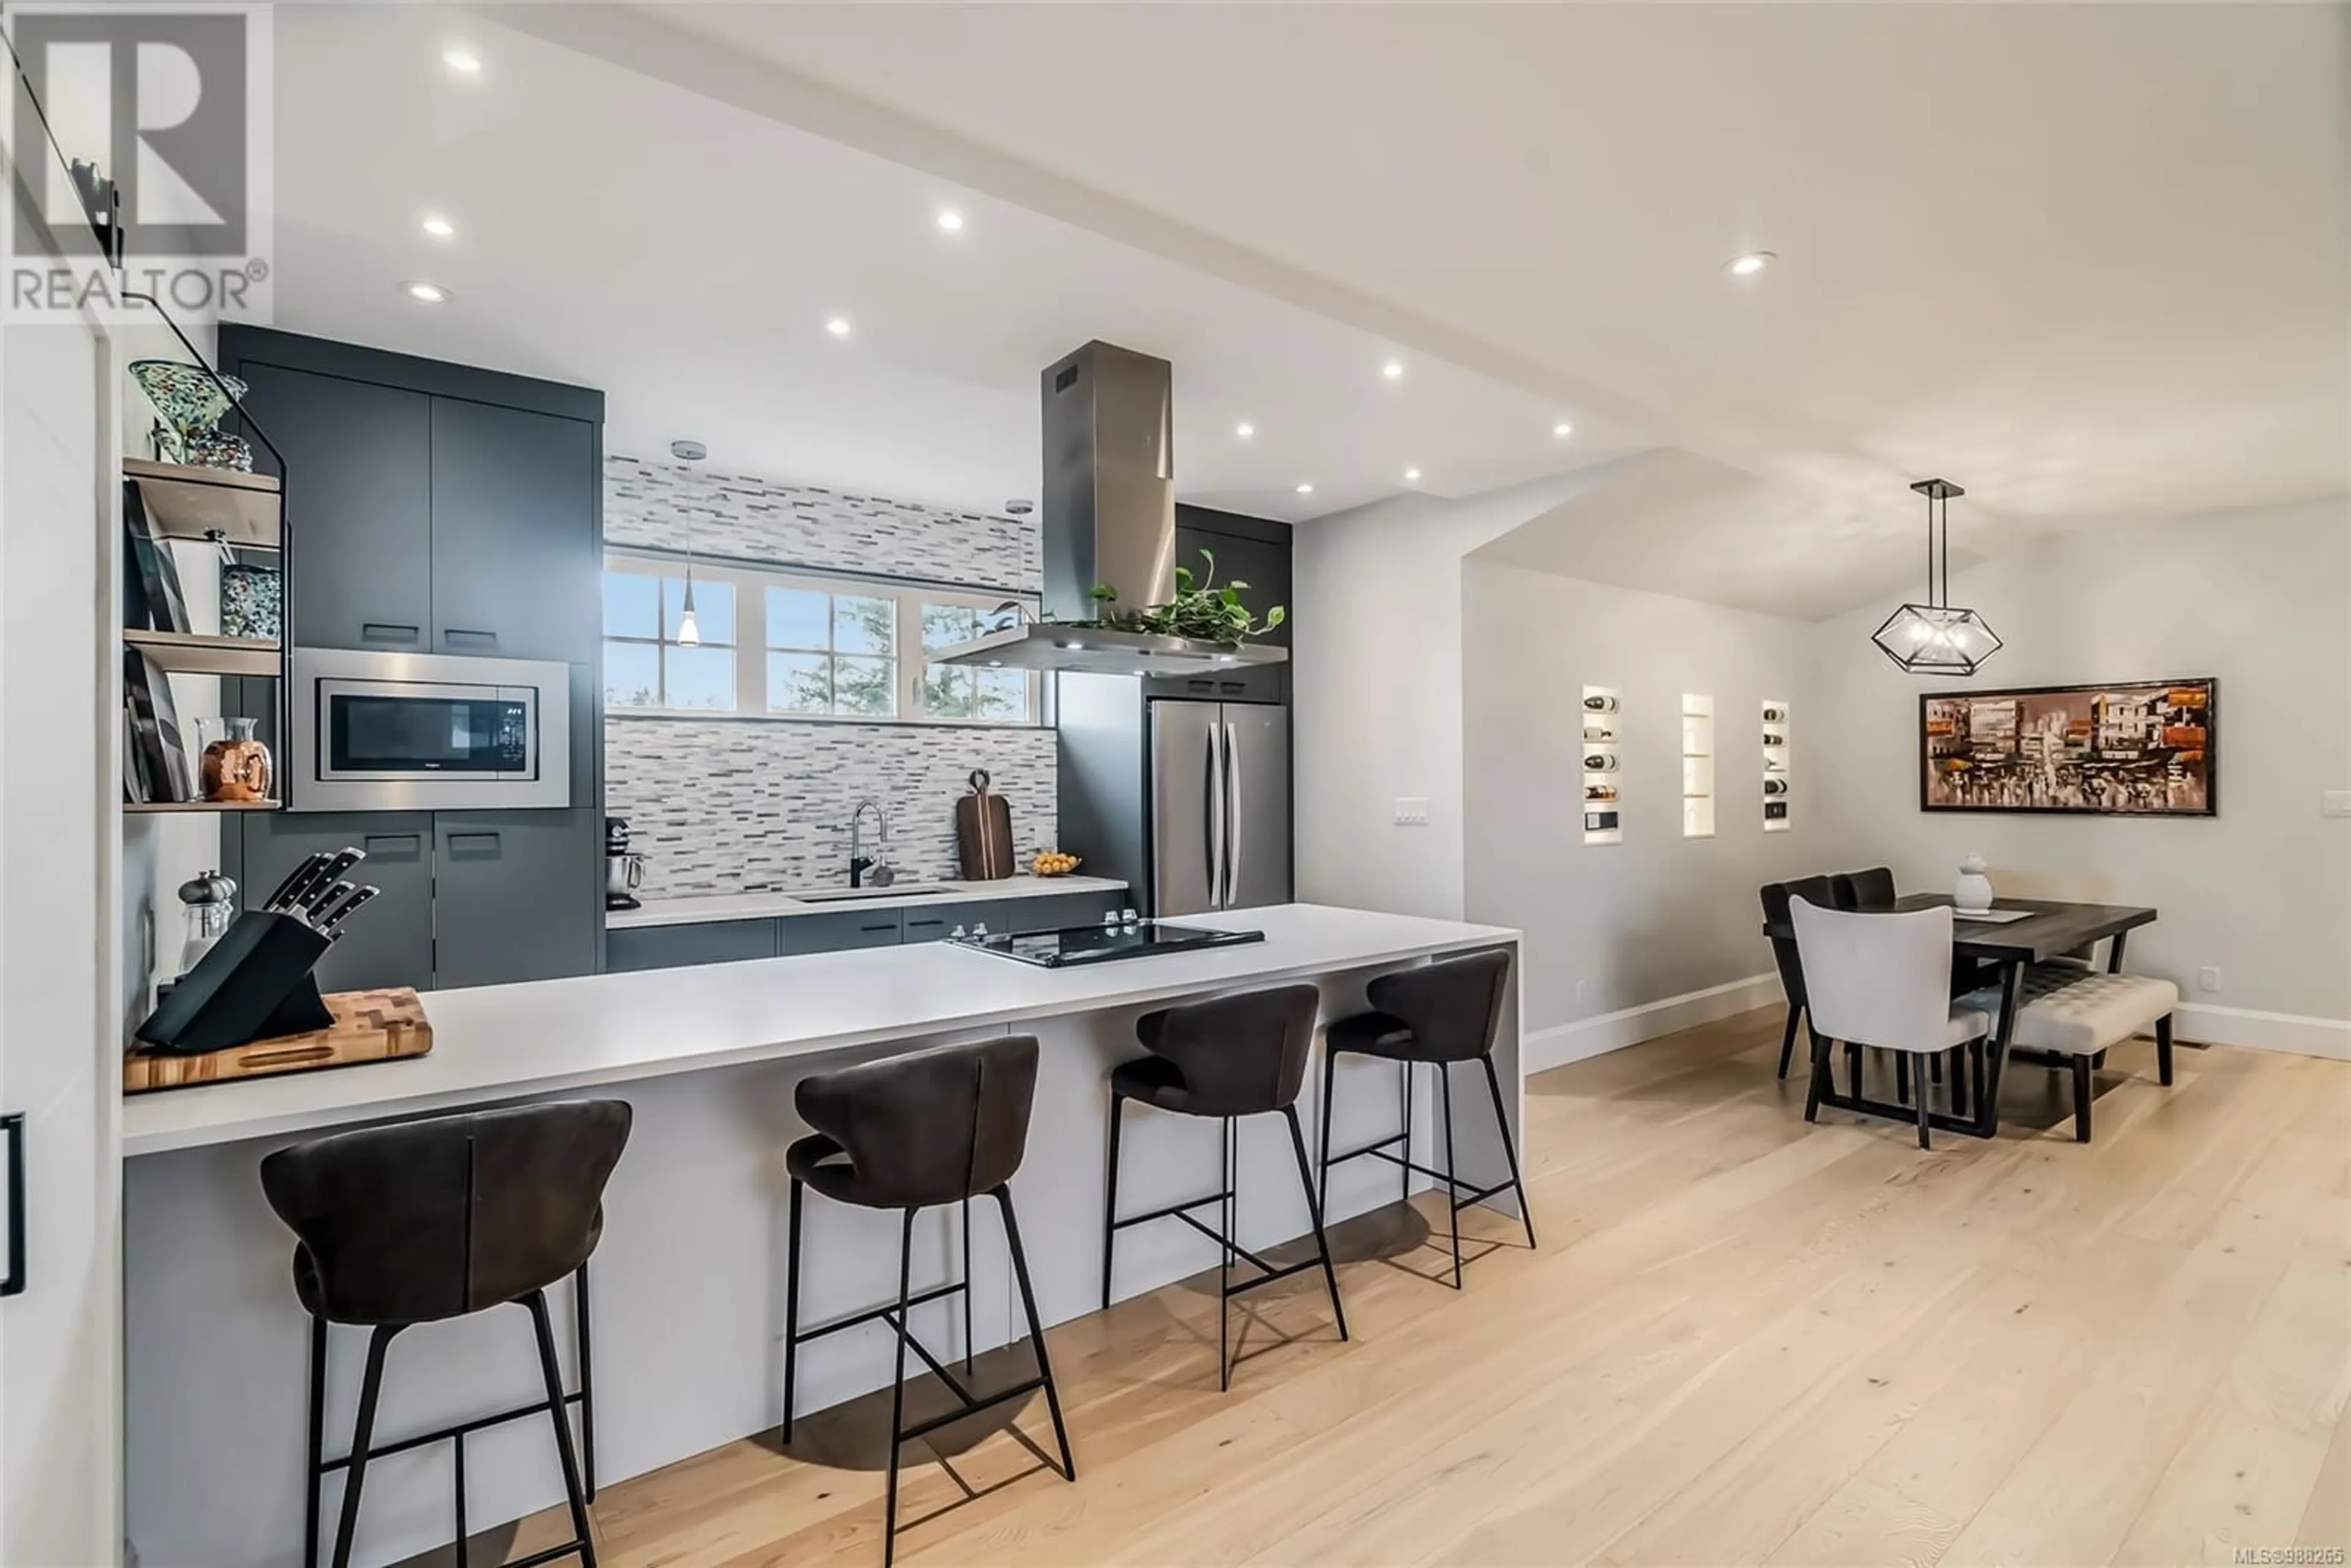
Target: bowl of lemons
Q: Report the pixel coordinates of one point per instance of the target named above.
(1052, 862)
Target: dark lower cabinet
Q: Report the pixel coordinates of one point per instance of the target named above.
(388, 942)
(517, 896)
(640, 947)
(937, 922)
(838, 933)
(1062, 910)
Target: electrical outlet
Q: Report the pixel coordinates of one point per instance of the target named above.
(2208, 979)
(2334, 803)
(1579, 993)
(1412, 811)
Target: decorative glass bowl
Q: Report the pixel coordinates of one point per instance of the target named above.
(192, 406)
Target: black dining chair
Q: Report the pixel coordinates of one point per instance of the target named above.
(1857, 890)
(1224, 1059)
(426, 1221)
(925, 1130)
(1776, 896)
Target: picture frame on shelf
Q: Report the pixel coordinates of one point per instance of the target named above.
(156, 764)
(152, 598)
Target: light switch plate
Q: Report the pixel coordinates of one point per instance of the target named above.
(2334, 803)
(1412, 811)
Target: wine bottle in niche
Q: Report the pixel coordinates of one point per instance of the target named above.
(1599, 735)
(1775, 786)
(1600, 702)
(1772, 740)
(1775, 715)
(1600, 762)
(1600, 791)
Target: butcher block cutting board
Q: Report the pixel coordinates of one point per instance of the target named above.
(369, 1026)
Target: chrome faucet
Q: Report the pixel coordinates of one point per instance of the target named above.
(858, 861)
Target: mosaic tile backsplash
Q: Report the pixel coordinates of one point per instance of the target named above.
(652, 504)
(742, 806)
(722, 806)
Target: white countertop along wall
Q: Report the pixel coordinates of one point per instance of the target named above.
(713, 907)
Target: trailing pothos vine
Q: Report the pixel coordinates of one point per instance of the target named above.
(1200, 610)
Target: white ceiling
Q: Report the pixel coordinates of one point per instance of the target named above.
(684, 255)
(2090, 261)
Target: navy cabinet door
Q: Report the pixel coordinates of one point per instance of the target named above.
(935, 921)
(837, 933)
(516, 897)
(513, 533)
(359, 499)
(681, 947)
(390, 941)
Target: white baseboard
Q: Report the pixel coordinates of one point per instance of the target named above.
(2299, 1033)
(1566, 1043)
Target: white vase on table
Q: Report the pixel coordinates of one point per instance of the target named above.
(1972, 895)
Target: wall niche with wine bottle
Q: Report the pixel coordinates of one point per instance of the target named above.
(1777, 778)
(1603, 766)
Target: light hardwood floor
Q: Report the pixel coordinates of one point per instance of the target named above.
(1744, 1340)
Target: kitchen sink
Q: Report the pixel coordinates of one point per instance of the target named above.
(869, 894)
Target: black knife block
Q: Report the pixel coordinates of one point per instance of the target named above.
(255, 983)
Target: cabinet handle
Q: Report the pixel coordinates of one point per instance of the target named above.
(387, 632)
(12, 1127)
(465, 635)
(481, 843)
(384, 846)
(887, 925)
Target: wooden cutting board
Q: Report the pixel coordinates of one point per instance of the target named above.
(369, 1026)
(983, 834)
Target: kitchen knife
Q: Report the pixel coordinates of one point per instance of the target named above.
(307, 911)
(296, 880)
(331, 921)
(316, 892)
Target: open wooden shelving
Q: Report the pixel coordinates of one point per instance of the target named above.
(199, 654)
(222, 505)
(162, 808)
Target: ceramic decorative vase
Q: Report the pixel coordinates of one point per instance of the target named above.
(235, 764)
(1973, 894)
(193, 406)
(249, 601)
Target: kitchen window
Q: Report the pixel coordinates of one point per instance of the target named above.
(778, 645)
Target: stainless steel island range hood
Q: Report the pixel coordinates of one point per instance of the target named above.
(1110, 518)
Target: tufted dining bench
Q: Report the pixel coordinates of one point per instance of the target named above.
(2075, 1014)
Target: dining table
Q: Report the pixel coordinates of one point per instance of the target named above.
(2023, 932)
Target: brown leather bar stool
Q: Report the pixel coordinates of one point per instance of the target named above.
(910, 1133)
(1232, 1056)
(1439, 1014)
(438, 1219)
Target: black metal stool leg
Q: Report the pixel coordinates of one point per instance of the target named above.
(1225, 1260)
(1902, 1078)
(587, 1386)
(318, 1442)
(1323, 1174)
(458, 1473)
(1314, 1211)
(898, 1390)
(1404, 1185)
(792, 1308)
(1853, 1067)
(966, 1285)
(543, 1325)
(1036, 1329)
(1110, 1195)
(1452, 1184)
(362, 1435)
(1510, 1148)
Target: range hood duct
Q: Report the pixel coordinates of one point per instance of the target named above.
(1110, 516)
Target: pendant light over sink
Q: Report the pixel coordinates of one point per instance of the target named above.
(1937, 638)
(689, 626)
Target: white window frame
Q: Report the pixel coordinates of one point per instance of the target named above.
(750, 584)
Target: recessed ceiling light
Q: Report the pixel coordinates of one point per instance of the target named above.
(950, 220)
(1562, 430)
(464, 62)
(838, 326)
(1748, 265)
(1410, 474)
(1306, 489)
(439, 227)
(1392, 369)
(1245, 430)
(429, 293)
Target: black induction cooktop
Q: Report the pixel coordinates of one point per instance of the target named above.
(1103, 944)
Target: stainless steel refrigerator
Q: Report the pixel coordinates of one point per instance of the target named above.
(1186, 799)
(1219, 806)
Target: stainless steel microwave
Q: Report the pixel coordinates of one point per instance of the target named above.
(421, 732)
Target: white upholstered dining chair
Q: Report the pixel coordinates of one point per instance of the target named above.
(1882, 979)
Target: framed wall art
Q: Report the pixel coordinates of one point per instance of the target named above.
(2131, 748)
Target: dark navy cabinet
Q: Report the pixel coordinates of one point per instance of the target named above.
(511, 491)
(682, 947)
(510, 898)
(838, 933)
(390, 941)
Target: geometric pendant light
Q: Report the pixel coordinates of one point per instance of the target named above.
(1937, 638)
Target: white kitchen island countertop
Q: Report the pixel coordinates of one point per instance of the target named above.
(498, 1043)
(703, 909)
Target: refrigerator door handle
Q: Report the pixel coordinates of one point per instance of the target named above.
(1232, 814)
(1212, 807)
(12, 1127)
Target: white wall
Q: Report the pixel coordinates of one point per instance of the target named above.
(2260, 599)
(1376, 656)
(1658, 916)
